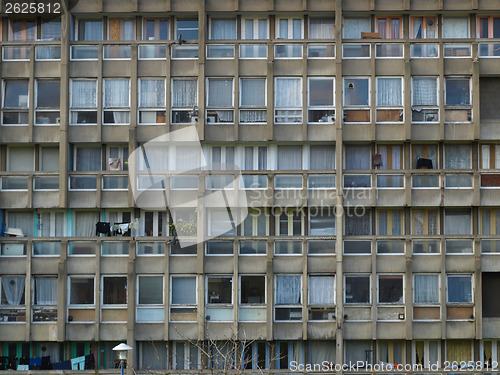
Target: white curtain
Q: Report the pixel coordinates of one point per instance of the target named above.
(184, 93)
(289, 157)
(288, 93)
(426, 289)
(89, 30)
(126, 30)
(457, 157)
(486, 222)
(83, 94)
(389, 92)
(253, 92)
(288, 290)
(457, 222)
(454, 27)
(321, 290)
(321, 28)
(183, 291)
(88, 159)
(298, 351)
(322, 351)
(357, 157)
(419, 222)
(253, 115)
(250, 29)
(21, 220)
(354, 26)
(356, 224)
(49, 159)
(417, 27)
(116, 93)
(187, 158)
(21, 159)
(220, 224)
(13, 288)
(49, 228)
(223, 28)
(322, 157)
(358, 350)
(424, 91)
(152, 93)
(382, 223)
(418, 152)
(284, 28)
(46, 290)
(220, 93)
(85, 223)
(154, 158)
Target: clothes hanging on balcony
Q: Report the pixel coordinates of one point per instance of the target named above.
(89, 362)
(65, 365)
(103, 228)
(424, 163)
(23, 367)
(78, 363)
(45, 363)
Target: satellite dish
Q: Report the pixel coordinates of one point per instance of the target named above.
(180, 40)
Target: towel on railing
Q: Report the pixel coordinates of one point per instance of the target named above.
(23, 367)
(78, 363)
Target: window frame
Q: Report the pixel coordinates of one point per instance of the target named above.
(45, 109)
(18, 109)
(249, 304)
(403, 297)
(121, 109)
(357, 107)
(252, 107)
(299, 108)
(255, 27)
(194, 118)
(81, 305)
(211, 28)
(290, 20)
(300, 304)
(425, 218)
(141, 108)
(389, 107)
(217, 276)
(152, 306)
(446, 78)
(470, 275)
(77, 27)
(425, 20)
(426, 352)
(432, 304)
(215, 109)
(388, 27)
(118, 306)
(83, 109)
(434, 107)
(156, 20)
(358, 275)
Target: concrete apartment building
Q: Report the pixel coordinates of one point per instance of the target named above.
(364, 208)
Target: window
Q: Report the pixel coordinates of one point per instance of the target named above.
(357, 289)
(114, 290)
(390, 289)
(151, 101)
(186, 29)
(488, 27)
(424, 99)
(220, 223)
(20, 159)
(426, 289)
(356, 99)
(288, 100)
(321, 297)
(254, 28)
(422, 154)
(489, 155)
(391, 351)
(85, 222)
(425, 222)
(459, 289)
(51, 224)
(183, 299)
(219, 98)
(357, 157)
(489, 221)
(120, 29)
(184, 101)
(153, 223)
(321, 222)
(116, 101)
(426, 353)
(185, 356)
(44, 299)
(20, 220)
(253, 100)
(22, 30)
(389, 27)
(255, 158)
(289, 158)
(457, 91)
(457, 221)
(288, 297)
(89, 29)
(47, 102)
(219, 290)
(153, 355)
(222, 28)
(150, 300)
(459, 351)
(322, 157)
(256, 223)
(83, 102)
(320, 100)
(455, 27)
(321, 28)
(222, 158)
(423, 27)
(357, 222)
(389, 222)
(256, 355)
(117, 158)
(155, 29)
(354, 27)
(391, 156)
(81, 290)
(13, 290)
(457, 156)
(252, 290)
(289, 28)
(289, 222)
(87, 159)
(389, 99)
(15, 102)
